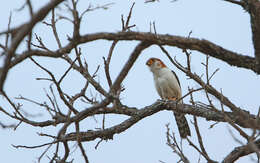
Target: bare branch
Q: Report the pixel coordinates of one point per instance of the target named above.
(137, 51)
(253, 8)
(147, 111)
(4, 126)
(107, 61)
(203, 46)
(26, 29)
(240, 3)
(84, 72)
(241, 151)
(202, 151)
(80, 144)
(172, 143)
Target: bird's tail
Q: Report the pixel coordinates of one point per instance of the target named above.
(182, 124)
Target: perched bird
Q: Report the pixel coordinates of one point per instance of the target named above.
(168, 87)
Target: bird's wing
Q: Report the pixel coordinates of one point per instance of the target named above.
(174, 85)
(176, 78)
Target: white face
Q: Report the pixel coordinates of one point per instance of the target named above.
(156, 65)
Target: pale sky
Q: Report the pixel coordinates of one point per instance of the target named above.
(220, 22)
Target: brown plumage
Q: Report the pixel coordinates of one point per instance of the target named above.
(168, 87)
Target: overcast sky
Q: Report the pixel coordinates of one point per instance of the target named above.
(219, 22)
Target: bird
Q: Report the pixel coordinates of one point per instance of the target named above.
(168, 87)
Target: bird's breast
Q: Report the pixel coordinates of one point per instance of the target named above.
(161, 81)
(167, 86)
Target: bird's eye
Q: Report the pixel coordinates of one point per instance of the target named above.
(149, 62)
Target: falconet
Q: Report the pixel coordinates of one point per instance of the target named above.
(168, 87)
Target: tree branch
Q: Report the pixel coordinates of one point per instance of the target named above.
(204, 46)
(130, 62)
(253, 7)
(197, 110)
(241, 151)
(21, 33)
(240, 3)
(139, 114)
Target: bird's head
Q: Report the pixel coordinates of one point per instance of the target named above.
(155, 64)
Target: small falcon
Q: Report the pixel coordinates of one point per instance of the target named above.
(168, 87)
